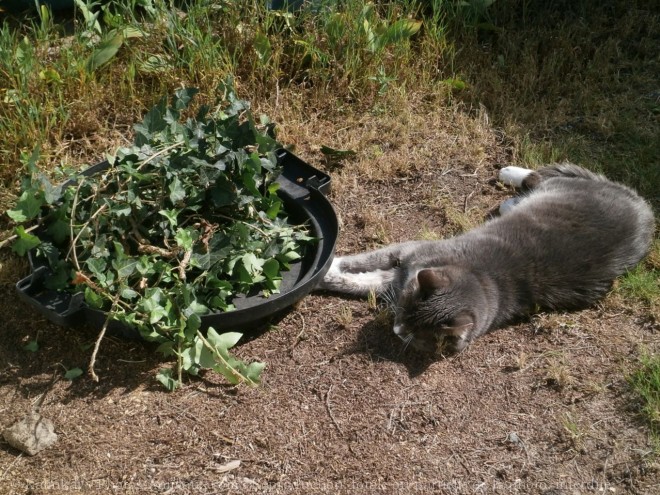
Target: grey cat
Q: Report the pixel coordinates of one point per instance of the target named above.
(559, 245)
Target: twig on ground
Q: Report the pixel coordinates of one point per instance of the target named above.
(97, 344)
(327, 406)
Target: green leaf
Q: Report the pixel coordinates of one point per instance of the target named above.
(96, 265)
(254, 370)
(455, 83)
(152, 122)
(177, 191)
(73, 373)
(93, 299)
(32, 346)
(59, 230)
(125, 267)
(183, 97)
(24, 242)
(223, 340)
(166, 377)
(261, 45)
(252, 264)
(128, 294)
(105, 51)
(27, 208)
(60, 277)
(171, 216)
(50, 252)
(185, 238)
(132, 32)
(50, 76)
(271, 268)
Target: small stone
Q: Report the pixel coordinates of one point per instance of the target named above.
(32, 434)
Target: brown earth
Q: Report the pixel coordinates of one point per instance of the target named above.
(542, 407)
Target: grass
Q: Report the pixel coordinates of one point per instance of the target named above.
(642, 284)
(583, 88)
(567, 80)
(645, 382)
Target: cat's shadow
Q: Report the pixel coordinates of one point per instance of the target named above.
(377, 340)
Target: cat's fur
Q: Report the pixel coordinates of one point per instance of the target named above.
(558, 246)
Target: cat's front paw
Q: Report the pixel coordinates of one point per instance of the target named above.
(333, 278)
(514, 176)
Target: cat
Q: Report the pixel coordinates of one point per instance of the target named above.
(559, 245)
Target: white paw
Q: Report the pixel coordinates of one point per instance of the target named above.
(514, 176)
(334, 267)
(508, 205)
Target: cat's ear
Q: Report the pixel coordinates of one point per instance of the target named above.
(430, 280)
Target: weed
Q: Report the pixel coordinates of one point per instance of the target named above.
(345, 315)
(573, 430)
(558, 374)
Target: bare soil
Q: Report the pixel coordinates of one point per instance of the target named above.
(541, 407)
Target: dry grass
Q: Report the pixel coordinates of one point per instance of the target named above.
(583, 87)
(540, 407)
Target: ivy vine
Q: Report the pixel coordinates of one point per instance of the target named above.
(175, 227)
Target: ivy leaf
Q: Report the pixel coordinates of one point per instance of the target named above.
(171, 216)
(185, 238)
(59, 230)
(93, 299)
(32, 346)
(97, 266)
(27, 208)
(166, 377)
(223, 341)
(25, 241)
(177, 191)
(183, 97)
(152, 123)
(50, 252)
(73, 373)
(271, 268)
(60, 277)
(253, 372)
(124, 267)
(128, 294)
(52, 193)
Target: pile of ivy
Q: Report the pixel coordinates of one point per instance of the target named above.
(175, 227)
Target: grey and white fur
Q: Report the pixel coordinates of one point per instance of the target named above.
(559, 246)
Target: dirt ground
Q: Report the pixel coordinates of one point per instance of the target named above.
(541, 407)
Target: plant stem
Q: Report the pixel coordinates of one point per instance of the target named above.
(232, 370)
(160, 153)
(97, 344)
(6, 241)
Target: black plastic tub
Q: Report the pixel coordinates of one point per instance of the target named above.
(303, 190)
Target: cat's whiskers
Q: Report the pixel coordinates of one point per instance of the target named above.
(407, 340)
(389, 297)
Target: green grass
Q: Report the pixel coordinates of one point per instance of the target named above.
(642, 284)
(645, 382)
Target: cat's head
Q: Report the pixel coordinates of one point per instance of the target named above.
(435, 311)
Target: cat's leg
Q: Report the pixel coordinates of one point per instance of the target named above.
(516, 176)
(356, 283)
(521, 178)
(360, 274)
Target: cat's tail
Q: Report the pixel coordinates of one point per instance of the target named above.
(569, 170)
